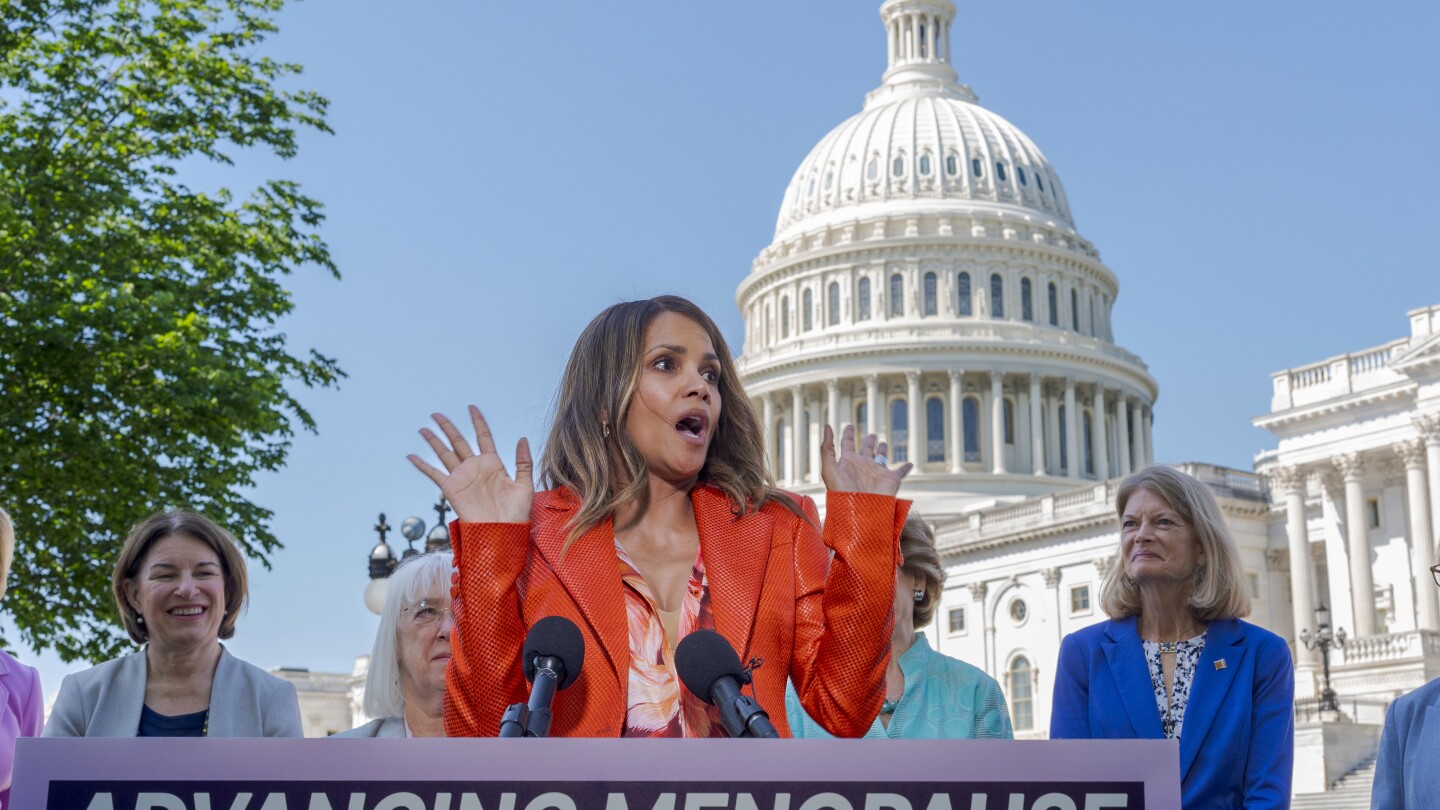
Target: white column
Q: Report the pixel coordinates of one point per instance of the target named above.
(1337, 558)
(1122, 436)
(1427, 605)
(1149, 421)
(1097, 437)
(832, 404)
(1357, 535)
(1302, 589)
(872, 406)
(1052, 417)
(792, 452)
(997, 422)
(1037, 428)
(812, 441)
(1072, 431)
(1137, 423)
(1429, 427)
(957, 428)
(915, 427)
(767, 408)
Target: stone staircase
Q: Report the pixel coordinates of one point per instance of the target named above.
(1351, 792)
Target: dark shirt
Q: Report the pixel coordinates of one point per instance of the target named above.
(155, 724)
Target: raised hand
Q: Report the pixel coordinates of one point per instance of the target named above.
(476, 484)
(862, 470)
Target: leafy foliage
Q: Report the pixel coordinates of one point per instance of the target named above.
(140, 360)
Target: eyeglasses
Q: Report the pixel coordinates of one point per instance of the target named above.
(427, 613)
(1435, 573)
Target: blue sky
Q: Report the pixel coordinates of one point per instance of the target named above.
(1260, 176)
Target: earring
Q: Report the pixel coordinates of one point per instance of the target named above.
(604, 428)
(919, 595)
(139, 619)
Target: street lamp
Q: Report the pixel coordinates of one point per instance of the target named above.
(1324, 639)
(382, 558)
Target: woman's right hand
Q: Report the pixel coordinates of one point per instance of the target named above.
(476, 484)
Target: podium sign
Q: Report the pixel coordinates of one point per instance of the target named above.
(562, 774)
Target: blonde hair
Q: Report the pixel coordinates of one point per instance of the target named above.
(588, 451)
(415, 579)
(159, 526)
(1217, 591)
(917, 547)
(7, 549)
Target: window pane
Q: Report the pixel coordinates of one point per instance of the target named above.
(808, 302)
(997, 296)
(785, 317)
(1027, 308)
(1022, 714)
(999, 171)
(1075, 310)
(957, 620)
(834, 294)
(970, 414)
(1009, 410)
(1020, 173)
(934, 429)
(864, 299)
(962, 286)
(899, 432)
(1080, 599)
(951, 165)
(1054, 306)
(1064, 440)
(897, 295)
(975, 168)
(1085, 437)
(861, 418)
(929, 293)
(925, 164)
(897, 166)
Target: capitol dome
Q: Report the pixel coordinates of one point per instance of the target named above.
(926, 282)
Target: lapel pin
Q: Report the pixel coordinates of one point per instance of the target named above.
(1220, 664)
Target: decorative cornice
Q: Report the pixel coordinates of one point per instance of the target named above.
(1429, 426)
(1289, 479)
(1351, 466)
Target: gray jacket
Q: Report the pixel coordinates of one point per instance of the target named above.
(105, 701)
(381, 727)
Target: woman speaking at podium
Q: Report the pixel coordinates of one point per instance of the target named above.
(659, 519)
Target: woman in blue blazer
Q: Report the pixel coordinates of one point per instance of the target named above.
(1174, 660)
(1411, 739)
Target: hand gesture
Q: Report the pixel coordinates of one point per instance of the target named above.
(863, 470)
(476, 484)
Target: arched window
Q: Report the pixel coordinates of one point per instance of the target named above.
(952, 166)
(925, 165)
(872, 171)
(1022, 699)
(897, 296)
(897, 166)
(861, 418)
(1087, 438)
(784, 317)
(1054, 305)
(833, 292)
(807, 302)
(1064, 440)
(970, 414)
(976, 168)
(1075, 310)
(997, 296)
(934, 429)
(1027, 306)
(899, 431)
(829, 179)
(929, 293)
(1009, 410)
(1040, 180)
(999, 171)
(962, 289)
(864, 299)
(1020, 173)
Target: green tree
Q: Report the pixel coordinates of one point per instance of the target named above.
(141, 365)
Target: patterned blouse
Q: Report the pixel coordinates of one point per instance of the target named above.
(657, 705)
(1187, 656)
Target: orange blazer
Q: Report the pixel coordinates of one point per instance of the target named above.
(775, 591)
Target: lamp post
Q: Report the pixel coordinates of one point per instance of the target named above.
(382, 558)
(1324, 639)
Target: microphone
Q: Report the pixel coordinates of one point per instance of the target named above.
(552, 657)
(710, 669)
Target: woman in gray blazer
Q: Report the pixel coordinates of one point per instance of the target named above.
(179, 584)
(405, 685)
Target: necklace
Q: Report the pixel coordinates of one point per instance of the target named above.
(888, 707)
(1169, 647)
(205, 726)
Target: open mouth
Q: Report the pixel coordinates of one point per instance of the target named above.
(189, 610)
(693, 426)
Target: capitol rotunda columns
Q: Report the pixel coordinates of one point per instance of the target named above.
(1422, 549)
(1097, 438)
(1037, 430)
(1362, 583)
(1072, 431)
(1122, 434)
(957, 427)
(1291, 481)
(997, 422)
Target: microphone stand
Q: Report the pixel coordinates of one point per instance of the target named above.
(533, 719)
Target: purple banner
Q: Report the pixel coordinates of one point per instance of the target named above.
(155, 774)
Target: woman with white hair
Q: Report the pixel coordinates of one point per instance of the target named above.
(405, 686)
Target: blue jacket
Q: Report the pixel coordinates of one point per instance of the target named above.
(1237, 745)
(1407, 774)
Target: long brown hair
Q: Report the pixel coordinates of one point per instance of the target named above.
(608, 472)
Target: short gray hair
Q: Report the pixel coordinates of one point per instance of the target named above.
(415, 579)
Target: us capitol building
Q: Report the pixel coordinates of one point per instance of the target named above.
(927, 282)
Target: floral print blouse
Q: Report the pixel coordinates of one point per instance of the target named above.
(657, 705)
(1187, 657)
